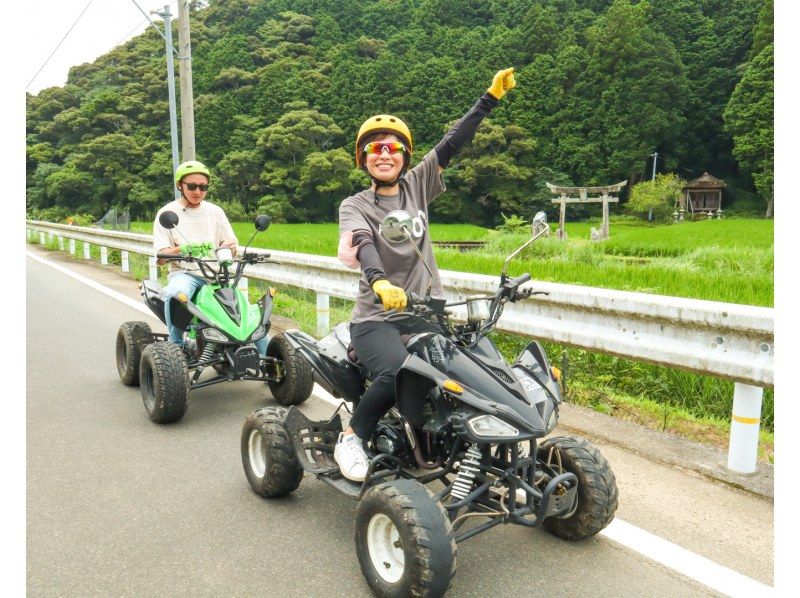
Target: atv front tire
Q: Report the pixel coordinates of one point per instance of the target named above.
(298, 381)
(128, 353)
(404, 540)
(268, 457)
(164, 382)
(597, 488)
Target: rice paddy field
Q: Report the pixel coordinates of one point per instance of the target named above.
(720, 260)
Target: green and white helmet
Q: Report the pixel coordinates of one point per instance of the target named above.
(191, 167)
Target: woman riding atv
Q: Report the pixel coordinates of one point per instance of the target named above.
(383, 149)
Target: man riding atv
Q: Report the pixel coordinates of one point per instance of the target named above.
(202, 222)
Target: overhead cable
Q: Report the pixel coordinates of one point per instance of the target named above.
(59, 45)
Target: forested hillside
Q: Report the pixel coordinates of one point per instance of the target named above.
(281, 87)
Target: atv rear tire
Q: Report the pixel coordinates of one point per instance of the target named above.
(128, 353)
(597, 488)
(268, 457)
(404, 540)
(298, 380)
(164, 382)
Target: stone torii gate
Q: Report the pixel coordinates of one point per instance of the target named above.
(581, 195)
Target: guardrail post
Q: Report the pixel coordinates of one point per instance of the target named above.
(125, 265)
(243, 284)
(745, 424)
(323, 314)
(151, 261)
(50, 237)
(104, 256)
(72, 246)
(41, 239)
(60, 243)
(87, 251)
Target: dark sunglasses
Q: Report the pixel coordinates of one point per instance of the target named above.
(377, 147)
(193, 186)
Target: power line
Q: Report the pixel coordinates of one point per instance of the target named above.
(59, 45)
(127, 35)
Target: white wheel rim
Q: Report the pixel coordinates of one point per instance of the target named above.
(385, 548)
(255, 452)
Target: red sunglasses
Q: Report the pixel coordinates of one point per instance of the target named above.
(377, 147)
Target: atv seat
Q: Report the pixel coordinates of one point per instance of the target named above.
(351, 352)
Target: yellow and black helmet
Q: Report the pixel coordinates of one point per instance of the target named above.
(383, 123)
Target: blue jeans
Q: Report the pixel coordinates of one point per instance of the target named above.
(183, 282)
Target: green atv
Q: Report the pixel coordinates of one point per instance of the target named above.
(221, 328)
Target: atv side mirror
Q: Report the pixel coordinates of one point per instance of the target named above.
(262, 222)
(168, 219)
(397, 226)
(539, 223)
(539, 227)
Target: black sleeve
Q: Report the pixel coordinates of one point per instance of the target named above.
(464, 129)
(371, 264)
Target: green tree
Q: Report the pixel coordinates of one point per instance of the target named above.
(750, 119)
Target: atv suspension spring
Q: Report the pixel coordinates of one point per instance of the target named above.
(208, 351)
(465, 478)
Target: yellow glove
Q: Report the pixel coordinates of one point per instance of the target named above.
(502, 82)
(392, 297)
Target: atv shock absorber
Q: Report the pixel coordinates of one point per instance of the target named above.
(208, 351)
(466, 474)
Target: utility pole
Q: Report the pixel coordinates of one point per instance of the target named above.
(655, 159)
(173, 116)
(185, 72)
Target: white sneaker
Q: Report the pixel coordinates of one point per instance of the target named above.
(351, 458)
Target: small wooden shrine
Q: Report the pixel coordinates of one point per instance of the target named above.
(703, 195)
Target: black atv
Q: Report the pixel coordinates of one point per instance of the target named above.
(462, 452)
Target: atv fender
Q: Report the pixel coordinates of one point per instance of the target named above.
(340, 382)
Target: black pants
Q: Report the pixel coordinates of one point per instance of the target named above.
(380, 349)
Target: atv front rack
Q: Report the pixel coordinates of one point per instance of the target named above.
(314, 442)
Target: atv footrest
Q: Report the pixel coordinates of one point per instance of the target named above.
(314, 442)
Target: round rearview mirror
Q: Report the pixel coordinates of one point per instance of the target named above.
(262, 222)
(168, 219)
(539, 223)
(397, 226)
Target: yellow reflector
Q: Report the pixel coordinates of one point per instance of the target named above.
(182, 298)
(556, 373)
(452, 386)
(273, 291)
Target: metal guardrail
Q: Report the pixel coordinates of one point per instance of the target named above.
(725, 340)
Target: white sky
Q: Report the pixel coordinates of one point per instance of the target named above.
(104, 25)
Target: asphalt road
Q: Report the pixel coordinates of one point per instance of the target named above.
(117, 505)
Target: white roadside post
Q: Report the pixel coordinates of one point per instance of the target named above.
(41, 239)
(745, 425)
(50, 237)
(104, 255)
(87, 253)
(151, 261)
(125, 265)
(72, 246)
(60, 243)
(323, 314)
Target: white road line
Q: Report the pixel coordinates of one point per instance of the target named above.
(655, 548)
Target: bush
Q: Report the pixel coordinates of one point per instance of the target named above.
(660, 195)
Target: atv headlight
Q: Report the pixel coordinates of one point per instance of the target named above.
(491, 427)
(551, 421)
(259, 333)
(212, 334)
